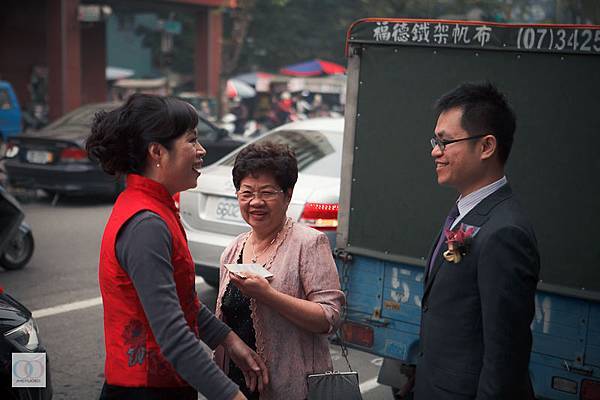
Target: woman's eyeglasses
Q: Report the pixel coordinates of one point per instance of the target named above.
(266, 195)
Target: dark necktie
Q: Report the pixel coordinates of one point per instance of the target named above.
(447, 224)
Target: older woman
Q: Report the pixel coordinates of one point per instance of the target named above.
(286, 318)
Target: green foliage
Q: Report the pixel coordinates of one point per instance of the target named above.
(282, 32)
(289, 31)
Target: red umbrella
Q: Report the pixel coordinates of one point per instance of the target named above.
(237, 88)
(313, 68)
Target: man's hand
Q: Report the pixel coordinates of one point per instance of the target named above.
(252, 366)
(253, 286)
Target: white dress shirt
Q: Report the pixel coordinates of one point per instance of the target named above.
(467, 203)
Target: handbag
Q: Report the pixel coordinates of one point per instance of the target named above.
(335, 385)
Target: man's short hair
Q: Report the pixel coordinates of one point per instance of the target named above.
(485, 111)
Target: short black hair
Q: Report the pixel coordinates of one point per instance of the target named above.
(485, 111)
(276, 159)
(120, 138)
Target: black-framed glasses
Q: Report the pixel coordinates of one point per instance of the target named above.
(441, 143)
(266, 195)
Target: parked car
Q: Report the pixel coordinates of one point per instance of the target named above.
(19, 334)
(210, 212)
(54, 158)
(10, 112)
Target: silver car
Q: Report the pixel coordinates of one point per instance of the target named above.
(210, 212)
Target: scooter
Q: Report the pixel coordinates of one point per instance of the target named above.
(16, 237)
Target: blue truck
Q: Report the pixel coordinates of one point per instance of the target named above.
(391, 206)
(10, 112)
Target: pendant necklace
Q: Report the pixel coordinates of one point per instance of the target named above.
(254, 255)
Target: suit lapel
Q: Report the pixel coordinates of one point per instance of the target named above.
(431, 250)
(476, 217)
(435, 267)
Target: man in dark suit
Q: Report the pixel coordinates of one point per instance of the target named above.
(480, 280)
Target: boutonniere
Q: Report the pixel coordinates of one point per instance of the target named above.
(459, 242)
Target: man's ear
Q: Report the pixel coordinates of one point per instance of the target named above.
(489, 146)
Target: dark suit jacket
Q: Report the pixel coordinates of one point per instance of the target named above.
(476, 314)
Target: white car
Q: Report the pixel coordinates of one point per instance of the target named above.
(210, 212)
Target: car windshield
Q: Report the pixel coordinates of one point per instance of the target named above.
(206, 131)
(318, 153)
(5, 103)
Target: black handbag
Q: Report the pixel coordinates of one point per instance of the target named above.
(335, 385)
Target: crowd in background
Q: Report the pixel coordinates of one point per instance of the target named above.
(266, 111)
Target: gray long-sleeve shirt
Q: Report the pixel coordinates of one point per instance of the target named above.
(144, 250)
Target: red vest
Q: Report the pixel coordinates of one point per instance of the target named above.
(133, 357)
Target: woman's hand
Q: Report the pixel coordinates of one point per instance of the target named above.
(253, 286)
(304, 313)
(240, 396)
(252, 366)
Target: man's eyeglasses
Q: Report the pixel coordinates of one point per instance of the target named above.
(266, 195)
(441, 143)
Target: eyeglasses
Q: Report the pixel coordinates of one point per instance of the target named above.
(441, 143)
(266, 195)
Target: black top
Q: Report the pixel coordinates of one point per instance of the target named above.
(237, 314)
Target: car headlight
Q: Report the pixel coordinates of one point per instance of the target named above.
(11, 150)
(24, 337)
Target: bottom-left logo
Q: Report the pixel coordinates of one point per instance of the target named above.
(28, 369)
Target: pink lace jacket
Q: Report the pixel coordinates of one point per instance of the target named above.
(303, 267)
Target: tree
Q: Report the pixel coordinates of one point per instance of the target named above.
(304, 29)
(233, 42)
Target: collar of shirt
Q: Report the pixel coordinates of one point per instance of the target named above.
(470, 201)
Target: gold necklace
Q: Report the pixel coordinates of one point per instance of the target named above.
(254, 255)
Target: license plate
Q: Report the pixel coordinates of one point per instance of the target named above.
(223, 209)
(39, 157)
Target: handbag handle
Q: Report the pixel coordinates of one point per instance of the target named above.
(344, 350)
(346, 258)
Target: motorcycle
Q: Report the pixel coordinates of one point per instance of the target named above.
(16, 237)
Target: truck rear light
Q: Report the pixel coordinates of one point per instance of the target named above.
(73, 154)
(590, 390)
(564, 384)
(321, 216)
(361, 335)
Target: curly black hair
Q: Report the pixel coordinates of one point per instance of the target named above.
(120, 138)
(276, 159)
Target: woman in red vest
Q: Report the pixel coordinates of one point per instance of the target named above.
(153, 321)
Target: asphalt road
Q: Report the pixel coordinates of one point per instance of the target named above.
(60, 286)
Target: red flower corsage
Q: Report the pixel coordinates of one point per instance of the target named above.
(458, 242)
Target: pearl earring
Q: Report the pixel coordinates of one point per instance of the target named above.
(157, 165)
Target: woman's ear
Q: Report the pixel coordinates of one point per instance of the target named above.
(288, 195)
(488, 146)
(155, 153)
